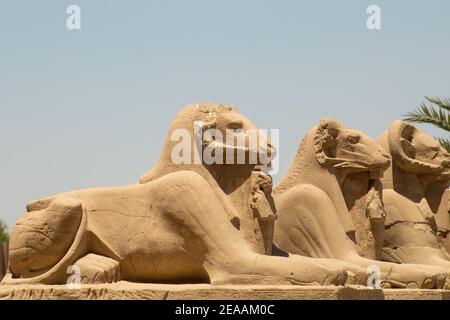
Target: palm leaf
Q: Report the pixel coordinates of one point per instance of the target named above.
(3, 234)
(443, 103)
(439, 117)
(445, 143)
(428, 114)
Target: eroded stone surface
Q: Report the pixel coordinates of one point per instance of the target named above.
(213, 224)
(416, 197)
(330, 206)
(125, 290)
(183, 223)
(131, 291)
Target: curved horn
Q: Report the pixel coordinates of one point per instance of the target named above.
(326, 133)
(397, 141)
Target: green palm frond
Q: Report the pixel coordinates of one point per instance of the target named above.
(440, 117)
(436, 113)
(445, 143)
(443, 103)
(3, 234)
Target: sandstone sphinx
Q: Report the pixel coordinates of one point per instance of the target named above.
(330, 205)
(416, 197)
(183, 223)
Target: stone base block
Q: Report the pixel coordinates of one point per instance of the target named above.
(416, 294)
(128, 291)
(133, 291)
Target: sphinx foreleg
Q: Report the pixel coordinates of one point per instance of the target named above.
(42, 242)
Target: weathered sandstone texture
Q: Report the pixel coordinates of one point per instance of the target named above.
(330, 205)
(195, 229)
(133, 291)
(183, 223)
(416, 197)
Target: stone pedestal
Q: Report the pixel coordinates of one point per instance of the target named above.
(126, 291)
(416, 294)
(133, 291)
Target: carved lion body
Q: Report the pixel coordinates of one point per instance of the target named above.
(330, 204)
(124, 224)
(416, 197)
(182, 223)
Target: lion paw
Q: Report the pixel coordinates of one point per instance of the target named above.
(98, 269)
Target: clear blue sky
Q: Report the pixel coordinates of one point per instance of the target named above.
(91, 107)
